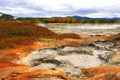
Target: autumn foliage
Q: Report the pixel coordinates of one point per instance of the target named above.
(50, 20)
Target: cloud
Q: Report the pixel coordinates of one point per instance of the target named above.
(50, 8)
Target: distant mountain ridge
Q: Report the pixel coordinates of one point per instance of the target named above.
(67, 19)
(88, 18)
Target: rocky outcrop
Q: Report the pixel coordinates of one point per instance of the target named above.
(7, 17)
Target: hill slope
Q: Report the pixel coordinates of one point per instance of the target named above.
(6, 17)
(23, 33)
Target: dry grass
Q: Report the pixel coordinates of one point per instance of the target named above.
(15, 33)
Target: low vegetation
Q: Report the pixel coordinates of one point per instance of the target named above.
(14, 33)
(69, 20)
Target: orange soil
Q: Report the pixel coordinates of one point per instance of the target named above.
(10, 71)
(102, 73)
(21, 51)
(20, 72)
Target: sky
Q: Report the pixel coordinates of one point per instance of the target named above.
(61, 8)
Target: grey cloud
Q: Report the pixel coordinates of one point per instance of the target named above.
(38, 10)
